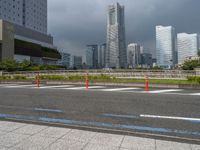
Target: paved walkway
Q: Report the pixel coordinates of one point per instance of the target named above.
(20, 136)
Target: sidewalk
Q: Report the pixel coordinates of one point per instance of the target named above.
(20, 136)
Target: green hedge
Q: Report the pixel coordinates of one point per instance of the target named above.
(194, 79)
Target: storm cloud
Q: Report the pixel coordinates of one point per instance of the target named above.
(77, 23)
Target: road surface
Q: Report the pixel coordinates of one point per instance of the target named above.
(165, 112)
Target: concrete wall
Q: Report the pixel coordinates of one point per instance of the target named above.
(7, 39)
(1, 27)
(34, 35)
(1, 39)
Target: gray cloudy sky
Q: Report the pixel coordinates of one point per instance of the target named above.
(76, 23)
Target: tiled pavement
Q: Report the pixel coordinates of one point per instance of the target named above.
(20, 136)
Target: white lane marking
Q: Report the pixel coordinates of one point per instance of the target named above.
(49, 87)
(90, 87)
(170, 117)
(2, 85)
(195, 94)
(19, 86)
(165, 91)
(120, 89)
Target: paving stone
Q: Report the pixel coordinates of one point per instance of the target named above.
(107, 139)
(138, 143)
(10, 126)
(67, 145)
(30, 129)
(3, 148)
(34, 143)
(167, 145)
(2, 133)
(195, 147)
(100, 147)
(54, 132)
(10, 139)
(83, 136)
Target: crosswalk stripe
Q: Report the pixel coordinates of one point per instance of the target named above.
(19, 86)
(99, 88)
(165, 91)
(119, 89)
(49, 87)
(195, 94)
(2, 85)
(90, 87)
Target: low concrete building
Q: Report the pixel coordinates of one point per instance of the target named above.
(20, 43)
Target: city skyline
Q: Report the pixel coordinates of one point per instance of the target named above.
(141, 19)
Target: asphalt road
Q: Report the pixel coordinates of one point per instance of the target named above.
(167, 114)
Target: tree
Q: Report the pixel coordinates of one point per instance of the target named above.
(9, 65)
(191, 64)
(199, 53)
(13, 65)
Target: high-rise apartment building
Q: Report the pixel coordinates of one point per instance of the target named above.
(89, 57)
(165, 46)
(116, 44)
(92, 56)
(31, 14)
(187, 45)
(133, 55)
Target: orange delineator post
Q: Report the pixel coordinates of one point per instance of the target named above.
(38, 80)
(87, 81)
(146, 83)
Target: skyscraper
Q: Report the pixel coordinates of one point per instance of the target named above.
(102, 51)
(92, 56)
(165, 46)
(31, 14)
(116, 56)
(187, 46)
(134, 55)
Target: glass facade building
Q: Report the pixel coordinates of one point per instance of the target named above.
(166, 46)
(187, 45)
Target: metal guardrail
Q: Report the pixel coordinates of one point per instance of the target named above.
(167, 74)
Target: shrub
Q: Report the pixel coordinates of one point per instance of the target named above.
(19, 77)
(5, 77)
(52, 77)
(194, 79)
